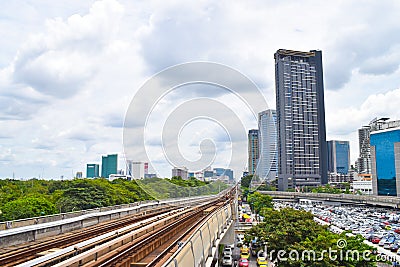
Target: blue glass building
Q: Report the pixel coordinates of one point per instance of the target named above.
(109, 165)
(92, 170)
(223, 171)
(385, 155)
(338, 156)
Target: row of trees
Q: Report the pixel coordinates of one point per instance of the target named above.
(246, 181)
(177, 187)
(296, 232)
(25, 199)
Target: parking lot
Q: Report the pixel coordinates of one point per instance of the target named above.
(379, 226)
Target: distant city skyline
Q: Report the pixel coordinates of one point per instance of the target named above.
(68, 71)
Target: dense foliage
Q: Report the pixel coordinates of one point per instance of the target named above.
(344, 188)
(245, 182)
(24, 199)
(258, 202)
(177, 187)
(27, 207)
(294, 231)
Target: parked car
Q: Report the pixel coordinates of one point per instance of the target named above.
(227, 260)
(244, 248)
(262, 261)
(245, 255)
(375, 240)
(227, 251)
(394, 247)
(243, 263)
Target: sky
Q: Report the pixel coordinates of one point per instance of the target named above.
(70, 71)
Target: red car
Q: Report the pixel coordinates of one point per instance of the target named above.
(375, 240)
(397, 231)
(243, 263)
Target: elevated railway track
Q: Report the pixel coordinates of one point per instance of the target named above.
(144, 239)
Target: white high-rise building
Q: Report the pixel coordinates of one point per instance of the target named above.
(268, 153)
(136, 169)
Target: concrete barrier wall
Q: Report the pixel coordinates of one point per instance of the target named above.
(197, 250)
(20, 235)
(360, 199)
(62, 216)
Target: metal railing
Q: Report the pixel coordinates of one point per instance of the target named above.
(349, 197)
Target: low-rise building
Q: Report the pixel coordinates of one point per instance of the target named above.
(364, 187)
(180, 171)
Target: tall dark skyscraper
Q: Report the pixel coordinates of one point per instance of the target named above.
(302, 148)
(253, 149)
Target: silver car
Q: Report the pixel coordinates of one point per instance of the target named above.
(227, 260)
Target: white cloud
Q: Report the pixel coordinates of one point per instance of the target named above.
(69, 71)
(60, 60)
(343, 123)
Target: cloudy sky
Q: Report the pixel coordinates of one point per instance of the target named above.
(70, 69)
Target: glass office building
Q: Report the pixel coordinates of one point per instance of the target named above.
(300, 110)
(109, 165)
(92, 170)
(338, 156)
(222, 171)
(385, 157)
(268, 153)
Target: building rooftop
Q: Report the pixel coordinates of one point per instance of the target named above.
(397, 128)
(286, 52)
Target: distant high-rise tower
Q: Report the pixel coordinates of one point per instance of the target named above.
(302, 148)
(109, 165)
(268, 153)
(338, 156)
(364, 161)
(92, 170)
(253, 149)
(136, 169)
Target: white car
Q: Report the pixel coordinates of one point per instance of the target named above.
(228, 251)
(227, 260)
